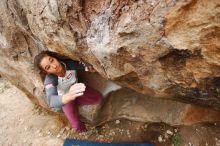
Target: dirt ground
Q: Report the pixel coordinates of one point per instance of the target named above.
(24, 124)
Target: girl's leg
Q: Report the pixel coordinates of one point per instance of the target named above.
(90, 96)
(71, 112)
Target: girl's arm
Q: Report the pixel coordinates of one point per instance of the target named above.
(78, 65)
(50, 84)
(56, 101)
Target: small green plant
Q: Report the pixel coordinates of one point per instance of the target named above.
(177, 140)
(93, 131)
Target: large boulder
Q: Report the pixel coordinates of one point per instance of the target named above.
(163, 49)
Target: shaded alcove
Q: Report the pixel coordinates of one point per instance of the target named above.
(123, 103)
(97, 82)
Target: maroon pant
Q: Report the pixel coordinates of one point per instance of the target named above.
(90, 96)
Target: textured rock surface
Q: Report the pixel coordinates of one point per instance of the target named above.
(161, 48)
(124, 103)
(127, 104)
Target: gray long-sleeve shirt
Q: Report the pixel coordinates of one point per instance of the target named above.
(56, 86)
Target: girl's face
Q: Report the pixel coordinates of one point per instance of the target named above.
(51, 65)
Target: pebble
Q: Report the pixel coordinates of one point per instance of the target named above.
(133, 55)
(25, 128)
(48, 132)
(112, 133)
(38, 131)
(160, 139)
(67, 128)
(117, 121)
(21, 121)
(169, 132)
(166, 136)
(40, 134)
(175, 130)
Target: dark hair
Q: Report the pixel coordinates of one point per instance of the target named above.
(38, 58)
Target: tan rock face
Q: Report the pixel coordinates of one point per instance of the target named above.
(127, 104)
(167, 49)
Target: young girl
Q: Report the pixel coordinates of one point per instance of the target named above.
(62, 88)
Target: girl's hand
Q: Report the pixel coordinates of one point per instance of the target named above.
(78, 87)
(75, 91)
